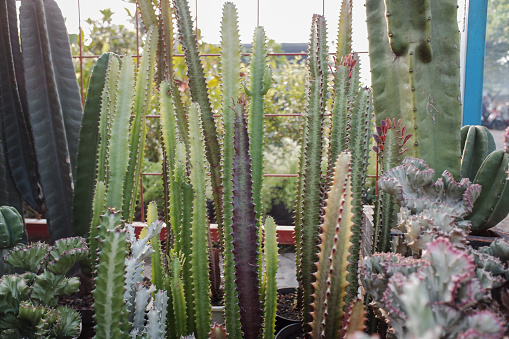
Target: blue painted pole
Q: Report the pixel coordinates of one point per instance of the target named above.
(474, 64)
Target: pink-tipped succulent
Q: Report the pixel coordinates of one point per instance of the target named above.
(439, 297)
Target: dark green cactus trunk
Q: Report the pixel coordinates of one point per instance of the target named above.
(245, 233)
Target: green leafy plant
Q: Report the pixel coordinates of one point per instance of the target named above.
(29, 301)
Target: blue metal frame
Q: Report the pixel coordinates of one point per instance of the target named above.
(474, 64)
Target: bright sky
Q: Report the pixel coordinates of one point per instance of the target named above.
(283, 20)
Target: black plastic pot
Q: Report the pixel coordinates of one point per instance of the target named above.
(494, 233)
(281, 321)
(290, 331)
(87, 324)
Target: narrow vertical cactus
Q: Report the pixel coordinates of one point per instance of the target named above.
(230, 83)
(177, 293)
(311, 158)
(270, 250)
(109, 305)
(84, 183)
(156, 257)
(336, 232)
(199, 259)
(141, 104)
(245, 233)
(199, 94)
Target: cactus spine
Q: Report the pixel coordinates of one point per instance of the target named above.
(335, 242)
(414, 53)
(245, 232)
(230, 82)
(308, 206)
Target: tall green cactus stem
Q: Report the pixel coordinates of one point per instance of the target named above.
(310, 203)
(270, 251)
(344, 44)
(148, 15)
(335, 241)
(141, 105)
(492, 205)
(199, 94)
(261, 77)
(199, 259)
(118, 153)
(84, 184)
(346, 88)
(230, 83)
(55, 107)
(156, 257)
(177, 292)
(17, 138)
(98, 208)
(390, 140)
(414, 53)
(107, 108)
(359, 135)
(245, 233)
(109, 305)
(476, 144)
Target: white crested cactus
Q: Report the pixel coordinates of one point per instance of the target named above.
(430, 209)
(437, 296)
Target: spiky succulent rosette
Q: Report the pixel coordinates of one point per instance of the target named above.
(430, 209)
(437, 296)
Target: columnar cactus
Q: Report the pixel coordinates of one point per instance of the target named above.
(414, 54)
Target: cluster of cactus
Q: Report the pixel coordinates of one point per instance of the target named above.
(350, 131)
(486, 166)
(428, 208)
(415, 73)
(134, 310)
(29, 301)
(191, 143)
(436, 296)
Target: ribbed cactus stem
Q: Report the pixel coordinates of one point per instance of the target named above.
(118, 153)
(199, 257)
(141, 105)
(230, 84)
(311, 168)
(270, 250)
(109, 305)
(336, 232)
(245, 232)
(84, 184)
(199, 94)
(177, 293)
